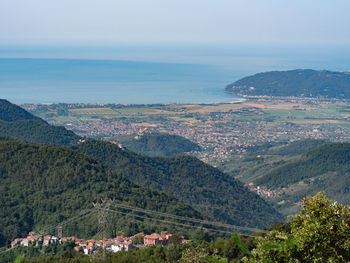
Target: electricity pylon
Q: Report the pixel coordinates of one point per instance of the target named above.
(102, 205)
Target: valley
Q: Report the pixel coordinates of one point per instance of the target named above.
(246, 139)
(174, 132)
(221, 130)
(49, 174)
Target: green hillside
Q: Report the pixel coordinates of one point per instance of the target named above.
(187, 178)
(158, 144)
(297, 83)
(285, 148)
(328, 158)
(296, 147)
(18, 123)
(37, 131)
(11, 112)
(41, 186)
(326, 168)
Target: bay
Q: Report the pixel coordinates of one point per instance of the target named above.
(109, 81)
(149, 74)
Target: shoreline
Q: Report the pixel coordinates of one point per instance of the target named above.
(233, 101)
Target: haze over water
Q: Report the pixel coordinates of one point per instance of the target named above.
(148, 74)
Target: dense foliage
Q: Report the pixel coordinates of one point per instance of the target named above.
(158, 144)
(320, 233)
(296, 147)
(297, 83)
(64, 250)
(41, 186)
(285, 149)
(37, 131)
(328, 158)
(11, 112)
(187, 178)
(184, 177)
(18, 123)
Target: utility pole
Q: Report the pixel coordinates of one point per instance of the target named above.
(102, 205)
(60, 232)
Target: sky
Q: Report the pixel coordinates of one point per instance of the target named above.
(96, 22)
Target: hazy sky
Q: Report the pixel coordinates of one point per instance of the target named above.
(181, 21)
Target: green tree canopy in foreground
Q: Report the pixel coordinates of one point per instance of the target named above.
(320, 233)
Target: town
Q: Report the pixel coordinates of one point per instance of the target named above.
(91, 246)
(222, 130)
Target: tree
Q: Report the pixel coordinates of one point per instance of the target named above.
(320, 233)
(196, 254)
(138, 239)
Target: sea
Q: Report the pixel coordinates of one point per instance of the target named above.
(149, 74)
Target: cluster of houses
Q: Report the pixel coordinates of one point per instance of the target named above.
(116, 244)
(262, 191)
(88, 247)
(32, 240)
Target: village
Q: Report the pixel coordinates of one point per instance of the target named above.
(90, 246)
(263, 191)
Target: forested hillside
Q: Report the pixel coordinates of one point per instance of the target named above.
(296, 147)
(11, 112)
(326, 168)
(325, 159)
(158, 144)
(18, 123)
(296, 83)
(189, 179)
(41, 186)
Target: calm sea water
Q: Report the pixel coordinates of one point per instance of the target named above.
(178, 74)
(67, 80)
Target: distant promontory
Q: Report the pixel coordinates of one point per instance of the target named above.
(294, 83)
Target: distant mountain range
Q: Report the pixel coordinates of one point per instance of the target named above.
(40, 183)
(295, 83)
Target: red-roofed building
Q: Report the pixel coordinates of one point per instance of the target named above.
(153, 239)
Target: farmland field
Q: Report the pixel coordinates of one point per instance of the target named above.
(224, 130)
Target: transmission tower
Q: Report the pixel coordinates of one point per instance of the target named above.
(102, 205)
(60, 232)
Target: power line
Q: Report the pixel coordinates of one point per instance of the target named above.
(152, 213)
(84, 213)
(176, 223)
(102, 205)
(194, 220)
(170, 222)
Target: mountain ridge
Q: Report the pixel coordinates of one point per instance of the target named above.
(41, 186)
(294, 83)
(18, 123)
(190, 180)
(184, 177)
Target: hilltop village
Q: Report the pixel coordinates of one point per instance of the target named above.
(90, 246)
